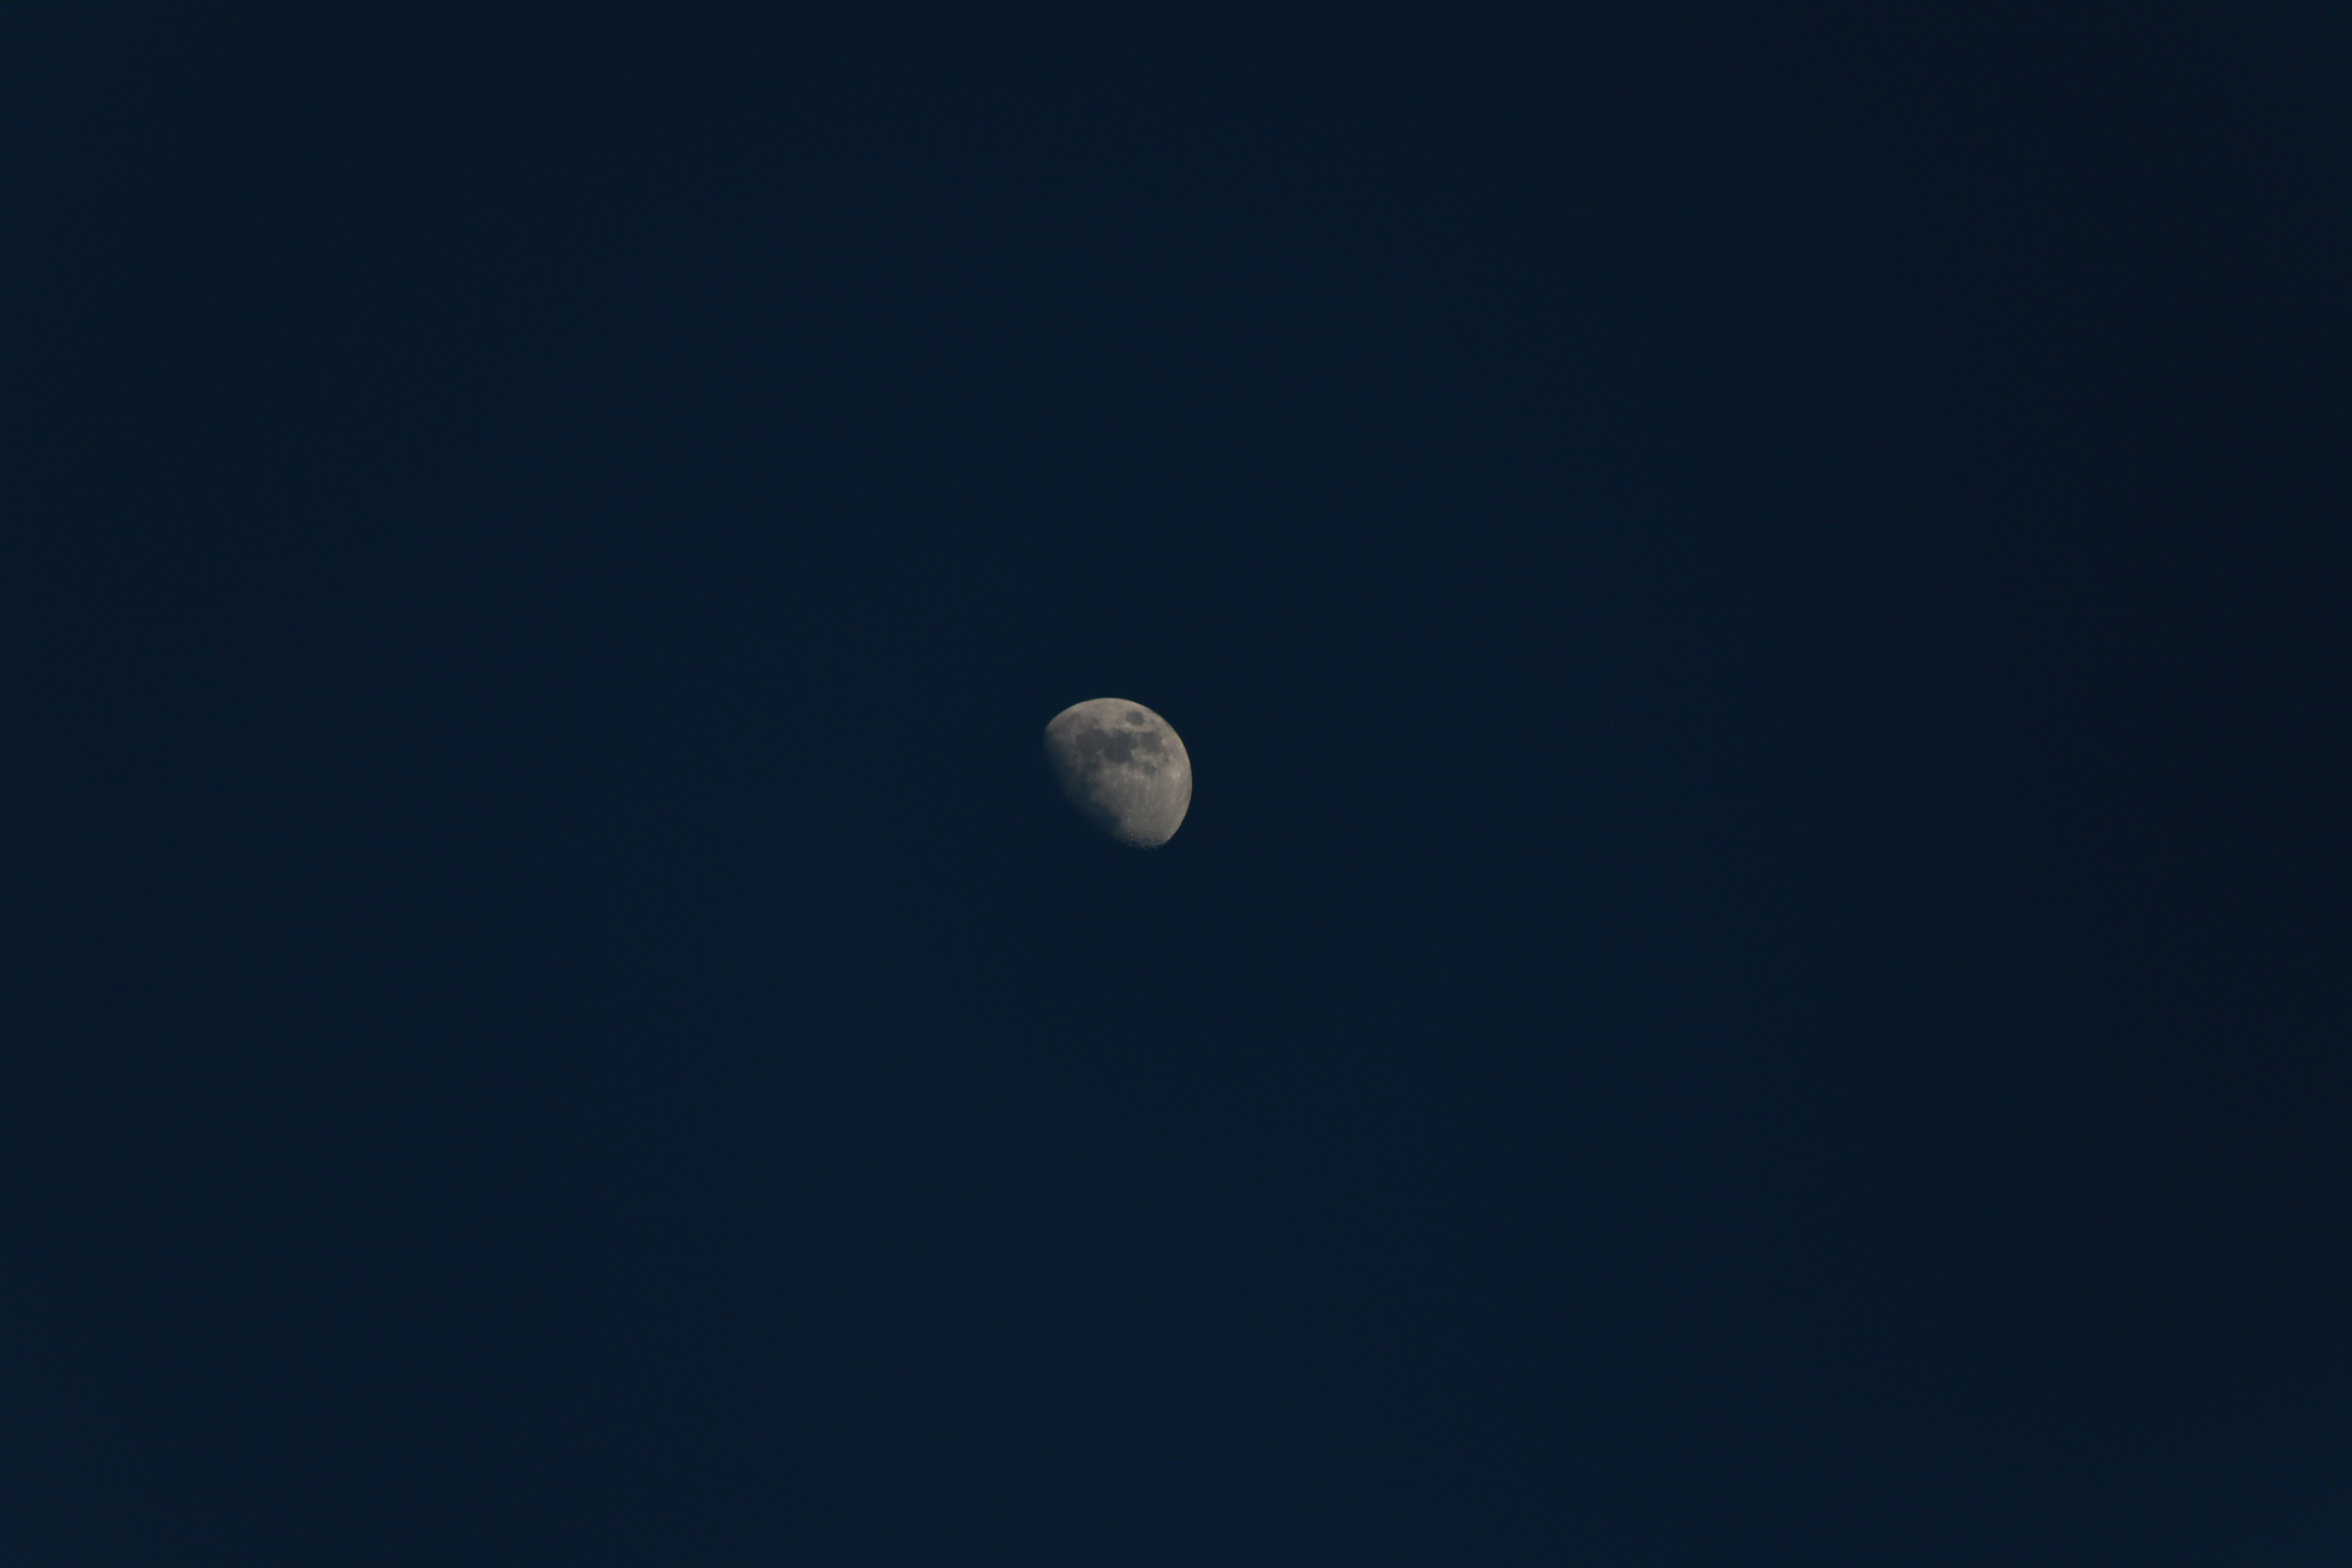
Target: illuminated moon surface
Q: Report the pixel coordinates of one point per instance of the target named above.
(1123, 768)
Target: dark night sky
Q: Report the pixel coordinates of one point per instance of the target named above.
(1760, 971)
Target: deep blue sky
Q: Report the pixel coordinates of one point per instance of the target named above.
(1761, 966)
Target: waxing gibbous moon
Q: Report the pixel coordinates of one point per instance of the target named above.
(1123, 768)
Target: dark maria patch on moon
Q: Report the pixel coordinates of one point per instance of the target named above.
(1123, 767)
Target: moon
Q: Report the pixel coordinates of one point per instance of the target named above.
(1123, 767)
